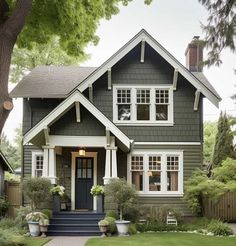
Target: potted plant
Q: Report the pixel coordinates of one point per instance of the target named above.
(33, 219)
(43, 226)
(103, 225)
(124, 196)
(57, 192)
(98, 191)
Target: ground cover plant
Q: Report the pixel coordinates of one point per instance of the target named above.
(175, 239)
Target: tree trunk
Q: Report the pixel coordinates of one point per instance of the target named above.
(10, 28)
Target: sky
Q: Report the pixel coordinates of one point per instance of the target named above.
(173, 23)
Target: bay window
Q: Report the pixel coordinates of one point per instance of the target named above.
(143, 105)
(156, 172)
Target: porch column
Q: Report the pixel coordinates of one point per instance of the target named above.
(52, 164)
(114, 162)
(45, 161)
(107, 166)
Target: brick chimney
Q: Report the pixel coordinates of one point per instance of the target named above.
(194, 55)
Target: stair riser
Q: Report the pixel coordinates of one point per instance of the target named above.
(72, 222)
(73, 228)
(74, 234)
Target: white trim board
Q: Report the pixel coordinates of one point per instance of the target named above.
(73, 163)
(167, 143)
(64, 106)
(144, 35)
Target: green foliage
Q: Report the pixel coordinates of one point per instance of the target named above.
(58, 190)
(210, 129)
(132, 212)
(47, 212)
(7, 223)
(224, 141)
(9, 237)
(37, 190)
(112, 213)
(21, 214)
(132, 229)
(112, 225)
(226, 172)
(97, 190)
(103, 222)
(218, 228)
(4, 205)
(220, 29)
(122, 194)
(36, 216)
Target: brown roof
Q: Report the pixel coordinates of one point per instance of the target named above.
(51, 81)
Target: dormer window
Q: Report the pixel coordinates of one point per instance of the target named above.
(143, 105)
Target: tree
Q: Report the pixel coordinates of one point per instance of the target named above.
(220, 29)
(30, 22)
(223, 142)
(210, 129)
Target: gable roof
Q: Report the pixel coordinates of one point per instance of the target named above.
(66, 79)
(6, 165)
(64, 106)
(203, 86)
(51, 81)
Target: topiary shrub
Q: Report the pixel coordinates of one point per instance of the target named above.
(218, 228)
(37, 190)
(112, 225)
(112, 213)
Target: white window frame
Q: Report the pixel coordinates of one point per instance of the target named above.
(163, 153)
(34, 155)
(133, 118)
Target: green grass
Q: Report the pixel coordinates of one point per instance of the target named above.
(36, 241)
(163, 239)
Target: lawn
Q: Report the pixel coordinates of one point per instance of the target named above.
(36, 241)
(163, 239)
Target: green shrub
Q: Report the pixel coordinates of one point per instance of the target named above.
(37, 190)
(7, 223)
(218, 228)
(112, 213)
(9, 237)
(21, 214)
(112, 225)
(4, 205)
(132, 229)
(47, 212)
(132, 213)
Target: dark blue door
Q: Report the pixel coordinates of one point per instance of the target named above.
(83, 183)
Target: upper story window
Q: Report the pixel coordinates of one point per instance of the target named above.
(143, 105)
(37, 164)
(155, 172)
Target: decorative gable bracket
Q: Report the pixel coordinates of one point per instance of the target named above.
(175, 78)
(196, 100)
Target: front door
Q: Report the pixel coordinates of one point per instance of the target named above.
(83, 183)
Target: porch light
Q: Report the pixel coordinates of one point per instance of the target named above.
(82, 152)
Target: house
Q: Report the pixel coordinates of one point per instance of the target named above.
(139, 116)
(4, 166)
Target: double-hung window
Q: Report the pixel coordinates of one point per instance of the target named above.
(156, 172)
(143, 105)
(37, 164)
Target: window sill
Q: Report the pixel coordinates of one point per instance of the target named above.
(144, 124)
(161, 194)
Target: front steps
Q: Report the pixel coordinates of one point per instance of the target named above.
(75, 224)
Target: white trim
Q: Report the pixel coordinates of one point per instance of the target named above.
(64, 106)
(175, 79)
(73, 158)
(196, 100)
(167, 143)
(162, 52)
(152, 106)
(142, 51)
(75, 141)
(91, 92)
(33, 156)
(77, 110)
(163, 153)
(109, 81)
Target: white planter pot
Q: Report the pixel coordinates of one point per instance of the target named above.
(122, 227)
(34, 228)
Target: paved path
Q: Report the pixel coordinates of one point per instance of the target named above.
(68, 241)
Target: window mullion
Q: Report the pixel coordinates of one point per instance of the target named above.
(133, 103)
(164, 173)
(145, 169)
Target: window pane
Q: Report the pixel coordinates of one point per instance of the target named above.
(123, 96)
(38, 173)
(154, 163)
(154, 181)
(137, 163)
(137, 180)
(143, 112)
(172, 181)
(143, 96)
(173, 163)
(161, 112)
(123, 112)
(162, 96)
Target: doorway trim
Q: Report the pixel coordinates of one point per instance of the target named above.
(74, 155)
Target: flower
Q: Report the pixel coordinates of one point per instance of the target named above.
(58, 190)
(97, 190)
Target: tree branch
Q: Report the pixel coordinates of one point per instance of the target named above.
(4, 8)
(14, 24)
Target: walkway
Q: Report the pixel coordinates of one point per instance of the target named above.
(68, 241)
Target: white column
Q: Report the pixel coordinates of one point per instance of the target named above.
(107, 166)
(114, 163)
(52, 164)
(45, 161)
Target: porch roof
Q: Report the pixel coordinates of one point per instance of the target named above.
(39, 129)
(5, 164)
